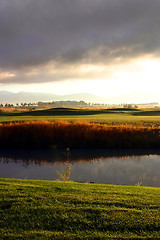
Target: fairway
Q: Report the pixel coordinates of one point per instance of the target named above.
(58, 210)
(110, 116)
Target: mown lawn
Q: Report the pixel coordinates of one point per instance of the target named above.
(58, 210)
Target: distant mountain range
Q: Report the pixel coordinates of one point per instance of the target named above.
(10, 97)
(34, 97)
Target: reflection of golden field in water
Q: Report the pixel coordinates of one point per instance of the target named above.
(62, 161)
(77, 134)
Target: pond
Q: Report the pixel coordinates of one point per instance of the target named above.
(85, 165)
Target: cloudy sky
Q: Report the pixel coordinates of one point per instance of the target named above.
(104, 47)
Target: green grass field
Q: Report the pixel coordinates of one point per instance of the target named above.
(111, 116)
(58, 210)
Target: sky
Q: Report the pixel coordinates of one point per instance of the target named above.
(102, 47)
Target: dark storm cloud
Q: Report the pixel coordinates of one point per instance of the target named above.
(35, 32)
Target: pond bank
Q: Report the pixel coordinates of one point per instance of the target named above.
(128, 167)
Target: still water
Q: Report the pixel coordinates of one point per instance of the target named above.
(98, 166)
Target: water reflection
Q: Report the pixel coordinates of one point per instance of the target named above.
(99, 166)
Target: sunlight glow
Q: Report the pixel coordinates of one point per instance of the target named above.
(139, 76)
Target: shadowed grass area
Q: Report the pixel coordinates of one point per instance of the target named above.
(58, 210)
(66, 111)
(147, 113)
(38, 134)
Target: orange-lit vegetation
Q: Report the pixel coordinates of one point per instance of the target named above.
(39, 134)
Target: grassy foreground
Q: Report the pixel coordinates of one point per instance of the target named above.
(58, 210)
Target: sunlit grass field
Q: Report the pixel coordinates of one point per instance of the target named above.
(147, 117)
(102, 118)
(58, 210)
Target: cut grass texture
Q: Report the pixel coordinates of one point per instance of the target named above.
(58, 210)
